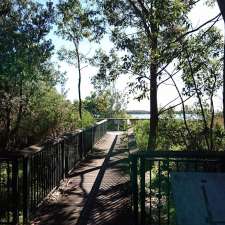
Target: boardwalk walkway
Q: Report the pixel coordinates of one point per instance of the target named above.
(97, 191)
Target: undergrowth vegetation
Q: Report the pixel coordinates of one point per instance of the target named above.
(173, 135)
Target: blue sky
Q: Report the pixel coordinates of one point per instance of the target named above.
(166, 93)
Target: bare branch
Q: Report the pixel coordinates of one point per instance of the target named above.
(189, 32)
(174, 106)
(162, 109)
(173, 74)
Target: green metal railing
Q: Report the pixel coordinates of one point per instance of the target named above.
(29, 175)
(152, 200)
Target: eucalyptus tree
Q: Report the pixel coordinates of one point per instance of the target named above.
(77, 22)
(222, 9)
(106, 103)
(147, 32)
(201, 63)
(24, 56)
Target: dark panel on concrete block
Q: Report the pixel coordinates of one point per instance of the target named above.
(199, 198)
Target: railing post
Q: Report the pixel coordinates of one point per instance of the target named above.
(92, 139)
(15, 191)
(26, 190)
(66, 161)
(63, 158)
(81, 144)
(142, 194)
(134, 187)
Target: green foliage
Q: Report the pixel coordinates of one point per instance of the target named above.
(24, 55)
(51, 115)
(27, 77)
(173, 136)
(109, 69)
(201, 63)
(145, 33)
(77, 22)
(106, 104)
(88, 119)
(141, 131)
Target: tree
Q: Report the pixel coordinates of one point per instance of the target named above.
(24, 57)
(147, 32)
(222, 9)
(77, 22)
(106, 103)
(201, 63)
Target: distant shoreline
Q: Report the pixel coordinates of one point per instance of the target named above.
(137, 112)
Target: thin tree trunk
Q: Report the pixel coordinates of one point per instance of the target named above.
(79, 80)
(212, 116)
(14, 131)
(212, 122)
(199, 100)
(183, 107)
(7, 130)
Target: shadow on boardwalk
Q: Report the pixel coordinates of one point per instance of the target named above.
(110, 205)
(96, 192)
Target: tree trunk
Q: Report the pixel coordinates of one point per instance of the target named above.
(224, 87)
(154, 116)
(221, 4)
(153, 108)
(79, 80)
(6, 134)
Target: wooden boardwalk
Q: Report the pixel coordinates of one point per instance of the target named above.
(97, 191)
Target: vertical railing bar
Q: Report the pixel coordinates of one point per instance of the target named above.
(150, 190)
(43, 178)
(159, 194)
(177, 166)
(92, 137)
(53, 165)
(142, 193)
(15, 173)
(196, 165)
(8, 186)
(38, 177)
(51, 168)
(168, 191)
(63, 158)
(45, 169)
(26, 190)
(134, 187)
(33, 183)
(187, 166)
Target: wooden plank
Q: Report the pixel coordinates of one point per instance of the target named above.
(199, 198)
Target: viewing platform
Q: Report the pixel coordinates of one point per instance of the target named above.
(96, 176)
(96, 191)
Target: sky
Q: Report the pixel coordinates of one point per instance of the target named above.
(166, 93)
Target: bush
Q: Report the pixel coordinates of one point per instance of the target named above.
(172, 135)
